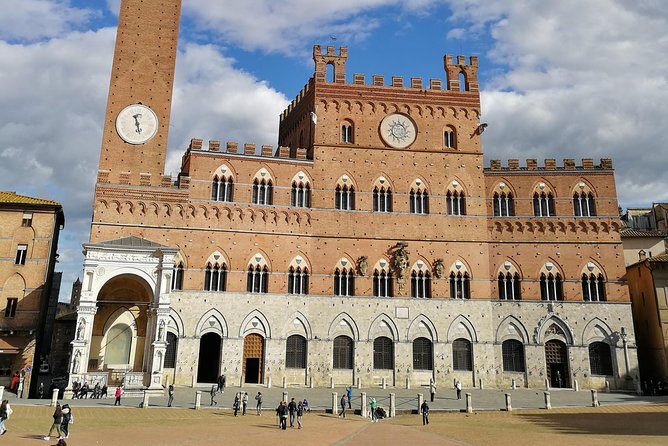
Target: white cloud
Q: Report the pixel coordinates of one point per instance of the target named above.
(584, 80)
(37, 19)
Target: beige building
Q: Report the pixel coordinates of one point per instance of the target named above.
(29, 230)
(371, 245)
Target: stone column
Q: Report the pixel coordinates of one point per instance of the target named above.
(420, 401)
(198, 399)
(81, 344)
(509, 404)
(156, 343)
(548, 402)
(335, 403)
(363, 404)
(469, 406)
(393, 406)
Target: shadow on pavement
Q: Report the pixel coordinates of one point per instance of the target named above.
(643, 423)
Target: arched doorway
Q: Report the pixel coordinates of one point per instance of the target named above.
(208, 367)
(556, 358)
(253, 359)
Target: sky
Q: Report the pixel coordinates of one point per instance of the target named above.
(566, 79)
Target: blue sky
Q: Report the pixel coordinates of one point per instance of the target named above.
(565, 79)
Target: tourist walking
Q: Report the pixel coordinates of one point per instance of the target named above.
(170, 392)
(68, 418)
(244, 402)
(235, 406)
(213, 395)
(432, 389)
(5, 412)
(343, 406)
(40, 390)
(458, 388)
(424, 409)
(292, 408)
(118, 394)
(258, 405)
(282, 413)
(19, 388)
(220, 383)
(349, 394)
(374, 405)
(57, 420)
(300, 412)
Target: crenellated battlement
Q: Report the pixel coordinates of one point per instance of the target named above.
(234, 148)
(550, 164)
(293, 104)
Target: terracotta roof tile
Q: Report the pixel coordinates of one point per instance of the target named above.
(631, 232)
(13, 197)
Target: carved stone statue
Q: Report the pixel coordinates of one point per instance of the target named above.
(76, 362)
(363, 265)
(401, 260)
(81, 330)
(161, 330)
(439, 268)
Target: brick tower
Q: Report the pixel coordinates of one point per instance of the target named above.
(134, 142)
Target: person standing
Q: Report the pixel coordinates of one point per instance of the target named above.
(258, 405)
(224, 382)
(349, 394)
(220, 383)
(118, 394)
(5, 412)
(15, 381)
(374, 405)
(213, 395)
(458, 388)
(432, 389)
(282, 412)
(343, 406)
(300, 412)
(424, 408)
(170, 392)
(68, 419)
(19, 388)
(235, 405)
(40, 390)
(244, 401)
(292, 408)
(57, 420)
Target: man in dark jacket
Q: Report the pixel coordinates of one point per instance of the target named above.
(343, 406)
(292, 408)
(424, 408)
(282, 413)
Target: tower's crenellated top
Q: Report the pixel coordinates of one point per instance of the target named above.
(330, 58)
(454, 70)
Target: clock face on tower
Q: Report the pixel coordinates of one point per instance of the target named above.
(398, 131)
(136, 124)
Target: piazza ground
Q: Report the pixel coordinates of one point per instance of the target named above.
(627, 424)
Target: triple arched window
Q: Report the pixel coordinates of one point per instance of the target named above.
(504, 205)
(456, 204)
(222, 188)
(257, 278)
(177, 277)
(300, 194)
(420, 284)
(418, 200)
(583, 201)
(551, 287)
(382, 199)
(382, 283)
(344, 198)
(543, 204)
(344, 282)
(263, 191)
(509, 286)
(593, 287)
(297, 280)
(459, 285)
(215, 277)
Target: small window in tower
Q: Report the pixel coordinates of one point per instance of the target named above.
(347, 133)
(27, 220)
(21, 254)
(449, 139)
(10, 309)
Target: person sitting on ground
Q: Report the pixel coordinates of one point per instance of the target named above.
(306, 406)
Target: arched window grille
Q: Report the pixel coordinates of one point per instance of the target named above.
(509, 286)
(295, 352)
(600, 359)
(459, 285)
(257, 278)
(456, 203)
(347, 133)
(383, 353)
(344, 282)
(221, 189)
(551, 287)
(382, 199)
(504, 205)
(300, 195)
(593, 287)
(177, 277)
(584, 205)
(343, 352)
(419, 201)
(215, 277)
(170, 351)
(449, 139)
(462, 355)
(423, 358)
(420, 284)
(263, 192)
(513, 356)
(344, 198)
(298, 280)
(543, 204)
(382, 284)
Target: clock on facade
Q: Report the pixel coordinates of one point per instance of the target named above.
(136, 124)
(398, 131)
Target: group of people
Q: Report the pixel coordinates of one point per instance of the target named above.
(62, 418)
(652, 388)
(295, 410)
(16, 384)
(80, 391)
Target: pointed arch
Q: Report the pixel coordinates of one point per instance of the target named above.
(422, 326)
(298, 323)
(512, 328)
(255, 322)
(343, 324)
(597, 330)
(175, 324)
(554, 327)
(212, 321)
(383, 325)
(418, 197)
(461, 327)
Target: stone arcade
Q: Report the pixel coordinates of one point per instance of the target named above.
(370, 245)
